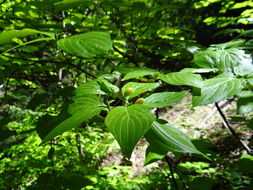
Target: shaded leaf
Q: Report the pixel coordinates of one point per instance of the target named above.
(153, 155)
(84, 108)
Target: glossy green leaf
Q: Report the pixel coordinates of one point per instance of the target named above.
(226, 60)
(139, 72)
(84, 108)
(198, 70)
(128, 125)
(139, 88)
(217, 89)
(163, 99)
(86, 45)
(164, 137)
(183, 78)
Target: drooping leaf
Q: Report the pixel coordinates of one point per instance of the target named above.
(226, 60)
(128, 125)
(86, 45)
(164, 137)
(139, 72)
(217, 89)
(84, 108)
(163, 99)
(183, 78)
(139, 88)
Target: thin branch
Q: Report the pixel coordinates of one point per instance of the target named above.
(232, 131)
(171, 172)
(5, 90)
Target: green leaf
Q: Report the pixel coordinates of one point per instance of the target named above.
(139, 88)
(226, 60)
(68, 4)
(153, 155)
(163, 99)
(107, 86)
(84, 108)
(91, 87)
(86, 45)
(198, 70)
(7, 36)
(183, 78)
(139, 73)
(99, 86)
(217, 89)
(245, 103)
(245, 163)
(164, 137)
(128, 125)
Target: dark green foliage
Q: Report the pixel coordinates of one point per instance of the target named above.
(65, 67)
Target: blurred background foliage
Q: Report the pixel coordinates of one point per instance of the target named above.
(36, 79)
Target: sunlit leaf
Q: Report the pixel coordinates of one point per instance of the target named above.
(139, 88)
(128, 125)
(163, 99)
(183, 78)
(217, 89)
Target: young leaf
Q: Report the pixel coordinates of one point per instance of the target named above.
(139, 88)
(128, 125)
(217, 89)
(139, 73)
(182, 78)
(163, 99)
(86, 45)
(164, 137)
